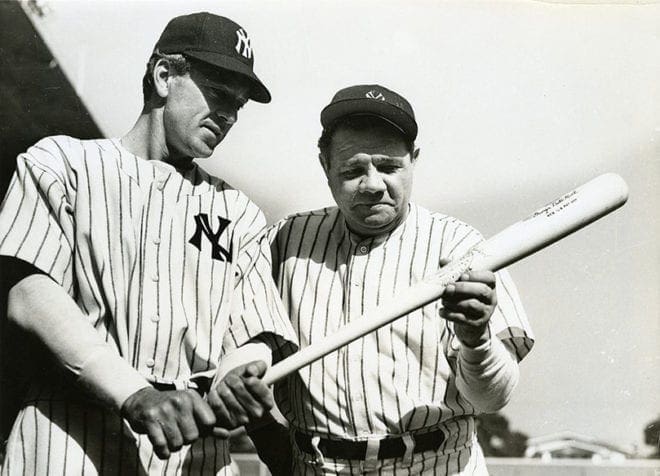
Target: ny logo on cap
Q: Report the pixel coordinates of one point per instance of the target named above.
(243, 44)
(373, 94)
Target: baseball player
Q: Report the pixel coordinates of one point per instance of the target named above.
(401, 400)
(145, 277)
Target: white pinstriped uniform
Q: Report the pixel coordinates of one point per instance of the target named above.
(115, 231)
(401, 378)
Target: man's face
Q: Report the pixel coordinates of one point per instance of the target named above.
(370, 175)
(197, 117)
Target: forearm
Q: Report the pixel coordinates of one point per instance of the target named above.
(42, 308)
(271, 439)
(487, 375)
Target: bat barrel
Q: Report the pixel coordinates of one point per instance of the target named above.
(552, 222)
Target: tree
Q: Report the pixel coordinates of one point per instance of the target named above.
(652, 437)
(497, 439)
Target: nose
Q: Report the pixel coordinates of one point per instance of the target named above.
(372, 182)
(228, 116)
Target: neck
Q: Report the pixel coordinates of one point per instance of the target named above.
(147, 139)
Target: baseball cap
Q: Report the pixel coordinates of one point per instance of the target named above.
(375, 100)
(217, 41)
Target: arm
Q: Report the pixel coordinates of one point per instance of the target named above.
(486, 371)
(43, 308)
(487, 375)
(238, 397)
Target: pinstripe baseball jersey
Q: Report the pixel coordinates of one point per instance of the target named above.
(168, 267)
(400, 378)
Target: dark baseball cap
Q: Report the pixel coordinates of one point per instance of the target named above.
(374, 100)
(217, 41)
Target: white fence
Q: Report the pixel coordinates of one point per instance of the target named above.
(249, 465)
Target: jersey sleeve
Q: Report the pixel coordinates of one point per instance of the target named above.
(36, 216)
(509, 321)
(257, 312)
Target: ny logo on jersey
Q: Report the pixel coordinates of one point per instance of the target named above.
(243, 44)
(204, 228)
(373, 94)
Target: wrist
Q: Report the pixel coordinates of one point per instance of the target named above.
(472, 337)
(110, 378)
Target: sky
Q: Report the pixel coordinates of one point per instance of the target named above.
(517, 103)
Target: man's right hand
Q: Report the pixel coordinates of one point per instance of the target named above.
(169, 418)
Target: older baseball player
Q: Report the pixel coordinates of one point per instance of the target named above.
(145, 277)
(401, 400)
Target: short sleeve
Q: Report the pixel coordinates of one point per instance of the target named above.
(257, 312)
(36, 216)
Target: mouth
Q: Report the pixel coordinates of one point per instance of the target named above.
(374, 204)
(214, 129)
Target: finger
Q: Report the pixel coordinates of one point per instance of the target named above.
(202, 411)
(464, 290)
(460, 318)
(157, 438)
(221, 433)
(235, 410)
(249, 406)
(223, 416)
(481, 276)
(260, 391)
(472, 308)
(173, 435)
(255, 369)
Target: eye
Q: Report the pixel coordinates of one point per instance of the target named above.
(388, 168)
(350, 173)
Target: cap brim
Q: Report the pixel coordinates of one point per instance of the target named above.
(258, 91)
(363, 106)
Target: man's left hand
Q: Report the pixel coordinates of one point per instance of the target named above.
(469, 303)
(241, 396)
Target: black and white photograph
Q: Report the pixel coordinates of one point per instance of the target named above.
(288, 237)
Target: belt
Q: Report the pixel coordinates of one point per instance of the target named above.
(201, 385)
(388, 447)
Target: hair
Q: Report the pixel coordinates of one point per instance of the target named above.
(179, 63)
(357, 122)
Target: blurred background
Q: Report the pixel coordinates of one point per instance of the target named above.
(517, 103)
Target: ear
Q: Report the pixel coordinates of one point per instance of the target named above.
(161, 78)
(415, 154)
(324, 162)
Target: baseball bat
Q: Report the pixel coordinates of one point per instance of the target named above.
(550, 223)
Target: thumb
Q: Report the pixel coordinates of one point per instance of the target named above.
(444, 262)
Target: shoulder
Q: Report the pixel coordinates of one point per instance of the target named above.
(303, 220)
(437, 219)
(58, 156)
(450, 233)
(302, 224)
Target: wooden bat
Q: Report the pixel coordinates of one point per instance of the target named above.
(548, 224)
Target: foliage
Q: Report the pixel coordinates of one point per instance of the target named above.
(496, 437)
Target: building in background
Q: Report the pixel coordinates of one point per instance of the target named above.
(573, 445)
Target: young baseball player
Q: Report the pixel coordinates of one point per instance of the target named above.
(145, 277)
(401, 400)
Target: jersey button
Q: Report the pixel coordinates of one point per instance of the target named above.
(155, 318)
(363, 249)
(154, 277)
(150, 363)
(156, 241)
